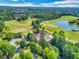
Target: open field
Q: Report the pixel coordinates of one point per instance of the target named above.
(16, 26)
(25, 27)
(51, 27)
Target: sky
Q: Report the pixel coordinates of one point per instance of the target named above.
(40, 3)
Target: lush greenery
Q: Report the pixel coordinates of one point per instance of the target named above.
(32, 34)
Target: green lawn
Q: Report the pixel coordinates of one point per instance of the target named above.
(50, 27)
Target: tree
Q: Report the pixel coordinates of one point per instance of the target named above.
(53, 55)
(45, 53)
(22, 18)
(1, 54)
(39, 57)
(29, 55)
(44, 43)
(8, 36)
(76, 55)
(1, 26)
(77, 44)
(59, 40)
(26, 55)
(55, 38)
(30, 37)
(8, 50)
(23, 44)
(36, 26)
(50, 54)
(22, 54)
(70, 52)
(16, 57)
(19, 35)
(35, 48)
(78, 19)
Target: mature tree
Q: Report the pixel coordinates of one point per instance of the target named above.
(36, 25)
(50, 54)
(59, 40)
(55, 38)
(1, 54)
(44, 43)
(76, 55)
(30, 37)
(45, 53)
(22, 18)
(35, 48)
(19, 35)
(8, 36)
(53, 55)
(39, 57)
(16, 57)
(26, 55)
(70, 52)
(22, 54)
(29, 55)
(8, 50)
(1, 26)
(77, 44)
(23, 44)
(78, 19)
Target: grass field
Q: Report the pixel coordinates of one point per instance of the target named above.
(25, 27)
(71, 35)
(16, 26)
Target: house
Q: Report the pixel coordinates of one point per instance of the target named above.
(41, 35)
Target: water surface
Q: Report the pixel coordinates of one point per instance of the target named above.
(66, 25)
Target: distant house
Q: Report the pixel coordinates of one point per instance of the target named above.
(41, 35)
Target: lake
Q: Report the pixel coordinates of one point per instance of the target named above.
(66, 25)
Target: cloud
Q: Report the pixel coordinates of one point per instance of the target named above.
(66, 3)
(25, 5)
(29, 5)
(21, 5)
